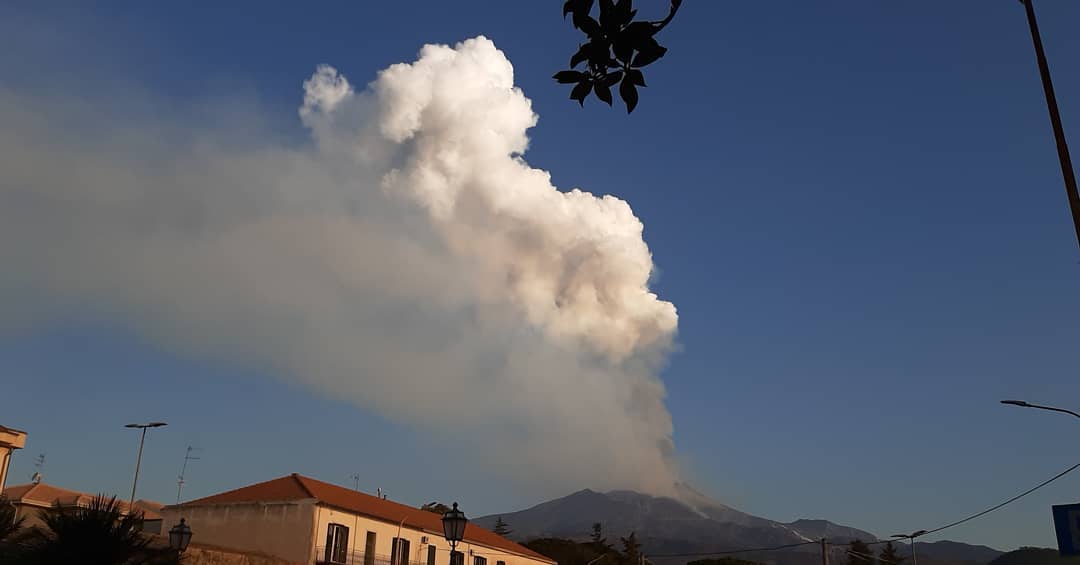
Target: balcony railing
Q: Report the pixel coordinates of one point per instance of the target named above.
(359, 558)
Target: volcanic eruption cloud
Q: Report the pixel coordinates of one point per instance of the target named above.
(406, 260)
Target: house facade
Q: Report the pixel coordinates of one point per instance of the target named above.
(10, 440)
(303, 520)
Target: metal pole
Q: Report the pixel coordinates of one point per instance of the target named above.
(914, 561)
(824, 552)
(138, 462)
(1055, 120)
(400, 546)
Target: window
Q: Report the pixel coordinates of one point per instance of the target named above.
(431, 555)
(399, 553)
(337, 543)
(369, 549)
(500, 563)
(479, 560)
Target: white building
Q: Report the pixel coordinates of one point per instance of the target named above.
(303, 520)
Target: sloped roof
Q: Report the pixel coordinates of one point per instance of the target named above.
(45, 494)
(42, 494)
(151, 510)
(298, 487)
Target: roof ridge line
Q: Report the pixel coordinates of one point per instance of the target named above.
(300, 481)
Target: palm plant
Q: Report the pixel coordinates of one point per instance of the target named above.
(97, 534)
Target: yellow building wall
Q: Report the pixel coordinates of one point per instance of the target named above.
(281, 529)
(386, 532)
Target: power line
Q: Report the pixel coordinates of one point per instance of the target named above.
(872, 556)
(1013, 499)
(879, 542)
(987, 511)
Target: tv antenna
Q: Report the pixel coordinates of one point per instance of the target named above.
(356, 481)
(180, 479)
(39, 466)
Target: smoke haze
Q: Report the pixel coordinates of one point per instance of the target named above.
(407, 260)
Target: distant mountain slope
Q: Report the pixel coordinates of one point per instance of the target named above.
(956, 551)
(665, 525)
(695, 523)
(1034, 556)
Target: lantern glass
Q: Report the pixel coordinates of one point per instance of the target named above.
(180, 536)
(454, 524)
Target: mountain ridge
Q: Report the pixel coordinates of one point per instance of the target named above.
(694, 523)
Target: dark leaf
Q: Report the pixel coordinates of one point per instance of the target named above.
(648, 53)
(587, 24)
(671, 14)
(624, 12)
(607, 16)
(599, 53)
(581, 91)
(639, 32)
(612, 78)
(635, 77)
(628, 92)
(568, 77)
(578, 8)
(603, 92)
(580, 56)
(622, 48)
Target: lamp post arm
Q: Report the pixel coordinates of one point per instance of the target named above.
(1052, 409)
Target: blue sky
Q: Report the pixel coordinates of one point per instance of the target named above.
(856, 208)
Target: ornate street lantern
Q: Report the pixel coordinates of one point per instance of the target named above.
(454, 530)
(180, 536)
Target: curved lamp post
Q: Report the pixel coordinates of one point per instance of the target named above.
(454, 522)
(911, 538)
(1025, 404)
(138, 460)
(180, 536)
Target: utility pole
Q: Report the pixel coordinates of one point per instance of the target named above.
(183, 471)
(1055, 120)
(824, 552)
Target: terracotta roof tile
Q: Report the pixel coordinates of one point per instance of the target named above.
(297, 487)
(42, 493)
(49, 495)
(285, 488)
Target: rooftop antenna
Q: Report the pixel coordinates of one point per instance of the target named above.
(39, 465)
(180, 479)
(356, 481)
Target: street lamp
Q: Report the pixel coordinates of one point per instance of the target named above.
(180, 536)
(911, 539)
(1025, 404)
(1067, 174)
(453, 522)
(138, 460)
